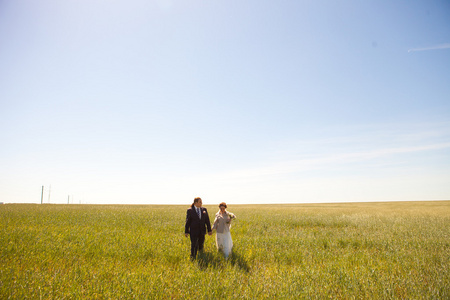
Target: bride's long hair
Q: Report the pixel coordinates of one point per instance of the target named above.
(195, 201)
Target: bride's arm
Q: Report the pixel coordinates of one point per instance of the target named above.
(216, 223)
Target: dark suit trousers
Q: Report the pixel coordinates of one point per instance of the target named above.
(197, 241)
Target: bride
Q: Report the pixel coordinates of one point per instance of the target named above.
(222, 224)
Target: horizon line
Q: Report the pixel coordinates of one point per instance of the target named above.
(249, 203)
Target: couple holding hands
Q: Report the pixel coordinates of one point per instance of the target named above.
(197, 221)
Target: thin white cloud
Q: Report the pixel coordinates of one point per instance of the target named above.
(314, 163)
(436, 47)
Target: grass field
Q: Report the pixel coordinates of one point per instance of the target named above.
(351, 251)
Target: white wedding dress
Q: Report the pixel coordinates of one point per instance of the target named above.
(224, 242)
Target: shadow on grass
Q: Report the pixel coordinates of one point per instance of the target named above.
(237, 260)
(217, 261)
(207, 259)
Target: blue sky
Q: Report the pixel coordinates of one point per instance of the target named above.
(160, 101)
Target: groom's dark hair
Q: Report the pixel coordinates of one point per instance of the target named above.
(195, 201)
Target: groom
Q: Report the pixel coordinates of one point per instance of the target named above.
(196, 220)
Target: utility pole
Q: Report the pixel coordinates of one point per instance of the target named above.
(42, 194)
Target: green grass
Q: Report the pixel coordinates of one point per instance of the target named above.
(351, 251)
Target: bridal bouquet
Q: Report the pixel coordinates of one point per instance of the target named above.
(231, 216)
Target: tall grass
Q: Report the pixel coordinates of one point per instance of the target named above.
(364, 250)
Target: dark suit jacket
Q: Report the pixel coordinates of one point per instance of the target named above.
(194, 225)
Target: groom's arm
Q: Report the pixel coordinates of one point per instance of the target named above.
(208, 223)
(188, 223)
